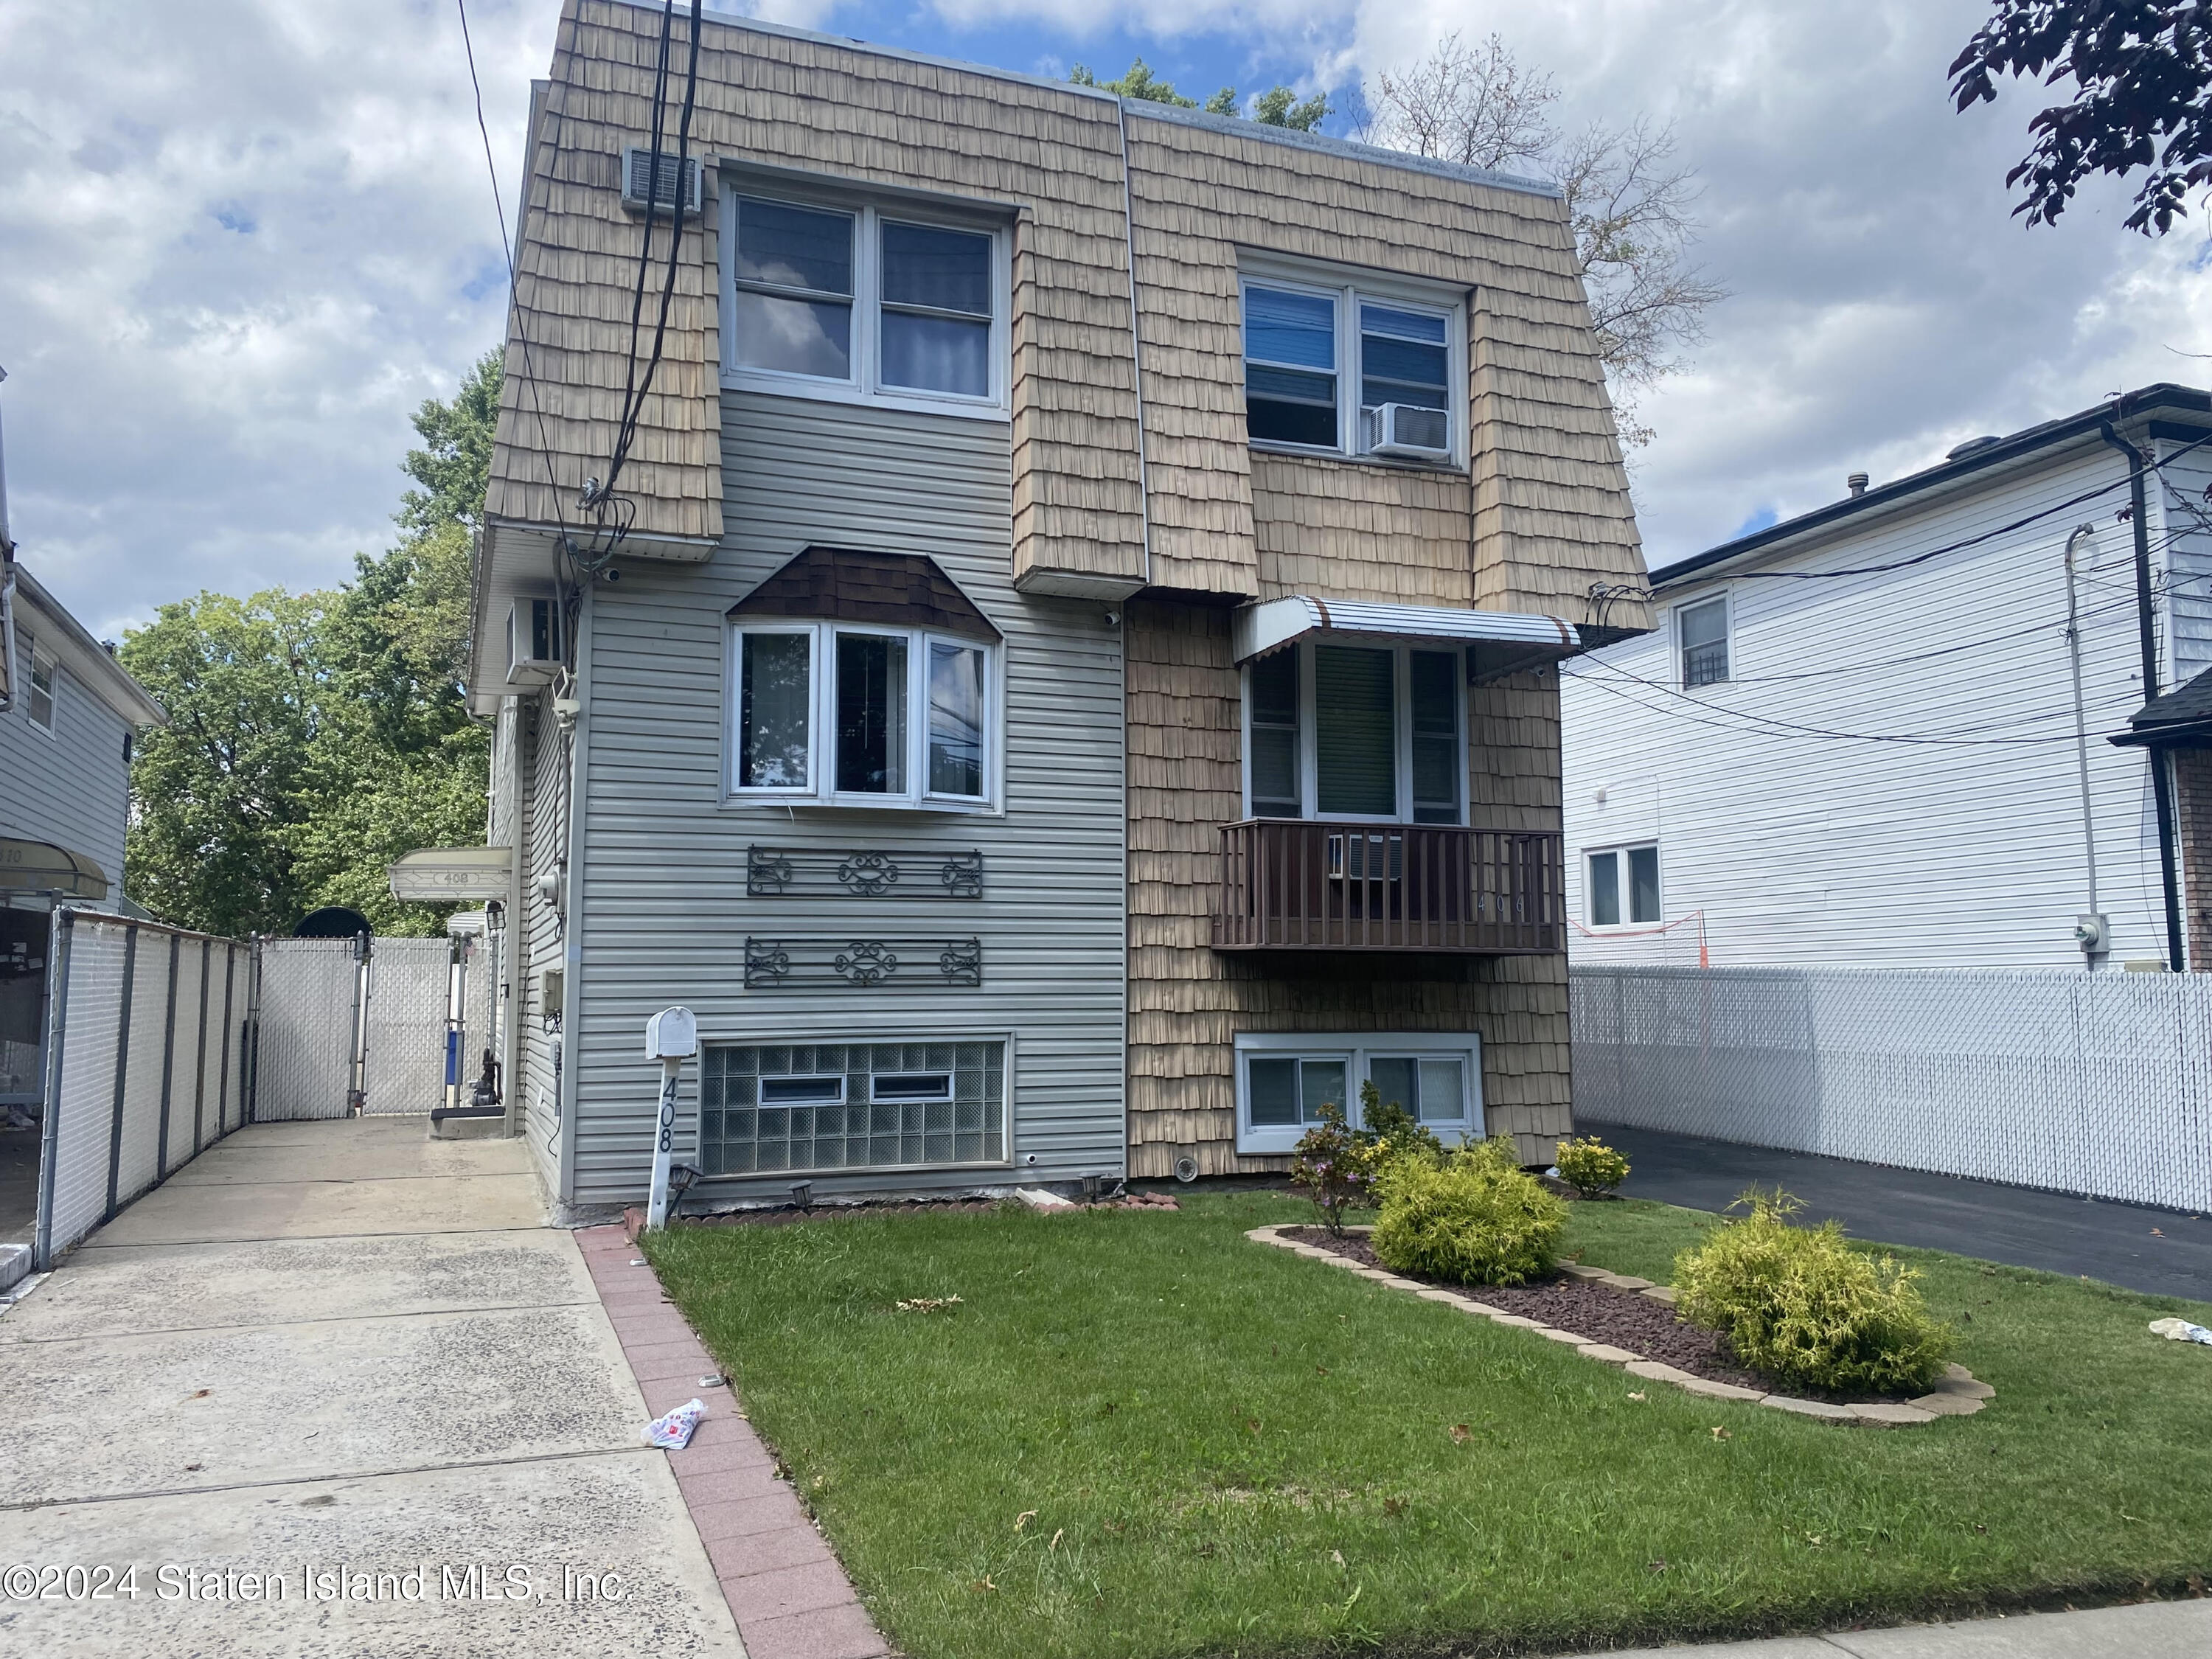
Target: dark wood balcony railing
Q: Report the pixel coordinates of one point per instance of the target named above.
(1297, 884)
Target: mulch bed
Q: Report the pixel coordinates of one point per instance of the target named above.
(1589, 1308)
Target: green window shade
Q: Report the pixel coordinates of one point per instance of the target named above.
(1355, 732)
(1605, 890)
(1435, 677)
(1275, 727)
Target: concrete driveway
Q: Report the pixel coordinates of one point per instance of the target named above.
(335, 1389)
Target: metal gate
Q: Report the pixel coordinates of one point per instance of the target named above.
(310, 1029)
(409, 995)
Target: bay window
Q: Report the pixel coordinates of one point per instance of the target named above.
(1373, 733)
(849, 298)
(823, 712)
(1284, 1080)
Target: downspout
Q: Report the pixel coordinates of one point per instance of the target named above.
(2091, 931)
(571, 907)
(2161, 782)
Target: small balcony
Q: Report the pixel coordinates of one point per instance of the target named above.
(1301, 884)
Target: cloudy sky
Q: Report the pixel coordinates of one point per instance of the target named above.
(241, 239)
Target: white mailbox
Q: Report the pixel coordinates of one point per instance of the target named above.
(671, 1034)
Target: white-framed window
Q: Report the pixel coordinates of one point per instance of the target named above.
(838, 296)
(1325, 357)
(848, 714)
(816, 1106)
(1371, 733)
(38, 703)
(1621, 885)
(1701, 642)
(1284, 1079)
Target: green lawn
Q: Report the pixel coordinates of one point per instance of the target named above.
(1231, 1450)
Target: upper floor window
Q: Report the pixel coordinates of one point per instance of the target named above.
(1624, 885)
(863, 679)
(39, 704)
(884, 304)
(1702, 630)
(1341, 369)
(1355, 732)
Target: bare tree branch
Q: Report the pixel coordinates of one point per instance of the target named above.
(1628, 200)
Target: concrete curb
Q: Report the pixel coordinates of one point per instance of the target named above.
(1959, 1394)
(790, 1597)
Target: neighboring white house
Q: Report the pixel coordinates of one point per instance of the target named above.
(1851, 740)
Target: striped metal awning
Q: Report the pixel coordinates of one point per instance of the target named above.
(38, 867)
(1260, 629)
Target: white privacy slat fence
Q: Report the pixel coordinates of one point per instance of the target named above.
(2097, 1083)
(146, 1054)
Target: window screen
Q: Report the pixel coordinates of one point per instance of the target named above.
(1605, 890)
(1433, 1091)
(39, 705)
(1436, 697)
(1404, 358)
(1355, 732)
(956, 720)
(1284, 1091)
(1290, 366)
(902, 1104)
(1704, 630)
(773, 695)
(1644, 884)
(793, 309)
(1275, 736)
(937, 310)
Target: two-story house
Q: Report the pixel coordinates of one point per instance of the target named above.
(1075, 689)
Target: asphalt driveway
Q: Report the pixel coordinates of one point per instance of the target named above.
(2159, 1251)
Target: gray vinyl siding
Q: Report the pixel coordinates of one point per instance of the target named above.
(70, 789)
(664, 909)
(545, 818)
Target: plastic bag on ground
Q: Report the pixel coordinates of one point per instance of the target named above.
(2180, 1330)
(673, 1432)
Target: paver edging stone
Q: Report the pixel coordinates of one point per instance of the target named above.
(1960, 1393)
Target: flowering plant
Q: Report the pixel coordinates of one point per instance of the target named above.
(1332, 1166)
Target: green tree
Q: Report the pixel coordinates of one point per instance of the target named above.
(1278, 107)
(314, 738)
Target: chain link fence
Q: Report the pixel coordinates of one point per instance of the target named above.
(148, 1060)
(2096, 1084)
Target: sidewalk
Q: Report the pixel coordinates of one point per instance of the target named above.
(345, 1347)
(2154, 1629)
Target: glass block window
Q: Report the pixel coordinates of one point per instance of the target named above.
(904, 1105)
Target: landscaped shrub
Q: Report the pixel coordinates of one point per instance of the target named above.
(1392, 1130)
(1334, 1167)
(1477, 1218)
(1800, 1304)
(1591, 1167)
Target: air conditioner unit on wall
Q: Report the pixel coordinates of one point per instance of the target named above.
(533, 641)
(1408, 430)
(639, 180)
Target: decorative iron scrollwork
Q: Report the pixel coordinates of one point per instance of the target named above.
(767, 963)
(774, 871)
(961, 962)
(868, 875)
(862, 964)
(867, 962)
(962, 874)
(768, 872)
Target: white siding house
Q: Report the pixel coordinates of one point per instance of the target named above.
(1850, 740)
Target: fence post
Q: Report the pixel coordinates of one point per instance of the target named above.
(199, 1046)
(62, 929)
(122, 1065)
(169, 1062)
(229, 1002)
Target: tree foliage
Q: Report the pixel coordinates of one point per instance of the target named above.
(1628, 199)
(315, 737)
(2141, 73)
(1278, 107)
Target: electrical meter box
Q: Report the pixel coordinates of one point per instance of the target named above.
(671, 1034)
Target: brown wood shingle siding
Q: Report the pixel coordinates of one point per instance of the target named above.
(1187, 1002)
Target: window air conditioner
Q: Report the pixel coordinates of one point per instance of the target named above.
(533, 641)
(1409, 430)
(639, 181)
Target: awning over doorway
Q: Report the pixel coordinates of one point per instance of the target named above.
(38, 867)
(1259, 628)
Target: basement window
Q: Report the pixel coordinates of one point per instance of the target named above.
(1284, 1080)
(896, 1106)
